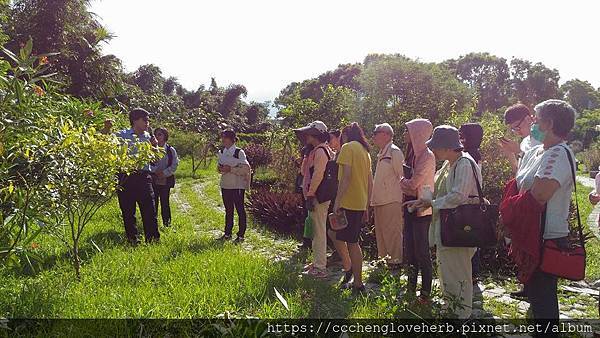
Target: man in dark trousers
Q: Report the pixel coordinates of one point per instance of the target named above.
(136, 188)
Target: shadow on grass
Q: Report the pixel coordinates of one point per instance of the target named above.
(90, 246)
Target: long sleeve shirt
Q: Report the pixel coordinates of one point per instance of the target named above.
(239, 176)
(388, 173)
(455, 186)
(163, 163)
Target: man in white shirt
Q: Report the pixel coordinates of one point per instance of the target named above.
(519, 120)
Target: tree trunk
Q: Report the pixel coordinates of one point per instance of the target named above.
(76, 260)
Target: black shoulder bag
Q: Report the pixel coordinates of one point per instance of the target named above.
(327, 189)
(470, 225)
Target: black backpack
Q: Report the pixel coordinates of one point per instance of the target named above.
(327, 189)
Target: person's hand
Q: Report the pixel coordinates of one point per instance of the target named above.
(160, 174)
(509, 146)
(417, 204)
(336, 206)
(366, 216)
(594, 198)
(226, 169)
(311, 201)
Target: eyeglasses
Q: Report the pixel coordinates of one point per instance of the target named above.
(517, 128)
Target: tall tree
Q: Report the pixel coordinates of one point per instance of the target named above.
(533, 83)
(581, 94)
(149, 78)
(67, 27)
(488, 75)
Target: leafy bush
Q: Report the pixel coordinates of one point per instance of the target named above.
(267, 179)
(279, 211)
(262, 138)
(591, 157)
(258, 155)
(200, 148)
(56, 169)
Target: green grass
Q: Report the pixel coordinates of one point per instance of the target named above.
(190, 275)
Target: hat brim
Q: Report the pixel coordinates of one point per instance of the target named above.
(432, 144)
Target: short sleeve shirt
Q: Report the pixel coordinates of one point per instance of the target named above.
(354, 155)
(554, 164)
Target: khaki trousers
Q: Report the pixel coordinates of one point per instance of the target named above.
(455, 273)
(319, 242)
(389, 224)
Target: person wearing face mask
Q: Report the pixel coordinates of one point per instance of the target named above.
(542, 190)
(455, 185)
(519, 120)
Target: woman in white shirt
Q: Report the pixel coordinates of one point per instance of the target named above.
(546, 172)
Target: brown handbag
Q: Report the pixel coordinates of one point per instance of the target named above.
(470, 225)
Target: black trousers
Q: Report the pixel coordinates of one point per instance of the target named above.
(137, 190)
(234, 199)
(416, 250)
(161, 198)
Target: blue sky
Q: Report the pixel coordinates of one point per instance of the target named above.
(265, 45)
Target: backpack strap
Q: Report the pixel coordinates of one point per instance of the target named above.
(236, 153)
(326, 153)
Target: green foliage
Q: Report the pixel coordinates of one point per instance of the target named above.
(68, 28)
(397, 89)
(488, 75)
(56, 168)
(585, 127)
(200, 148)
(591, 157)
(533, 83)
(581, 95)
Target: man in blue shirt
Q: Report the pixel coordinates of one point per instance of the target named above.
(136, 188)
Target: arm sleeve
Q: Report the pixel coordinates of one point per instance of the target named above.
(463, 184)
(397, 163)
(169, 171)
(319, 164)
(345, 157)
(424, 169)
(243, 167)
(555, 166)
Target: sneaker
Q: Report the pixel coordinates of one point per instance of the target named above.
(239, 240)
(348, 275)
(304, 246)
(316, 273)
(308, 267)
(224, 238)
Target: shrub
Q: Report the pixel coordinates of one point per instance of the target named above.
(262, 138)
(591, 157)
(267, 179)
(200, 148)
(279, 211)
(258, 155)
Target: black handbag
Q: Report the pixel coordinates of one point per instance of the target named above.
(470, 225)
(327, 189)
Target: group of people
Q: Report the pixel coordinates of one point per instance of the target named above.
(407, 193)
